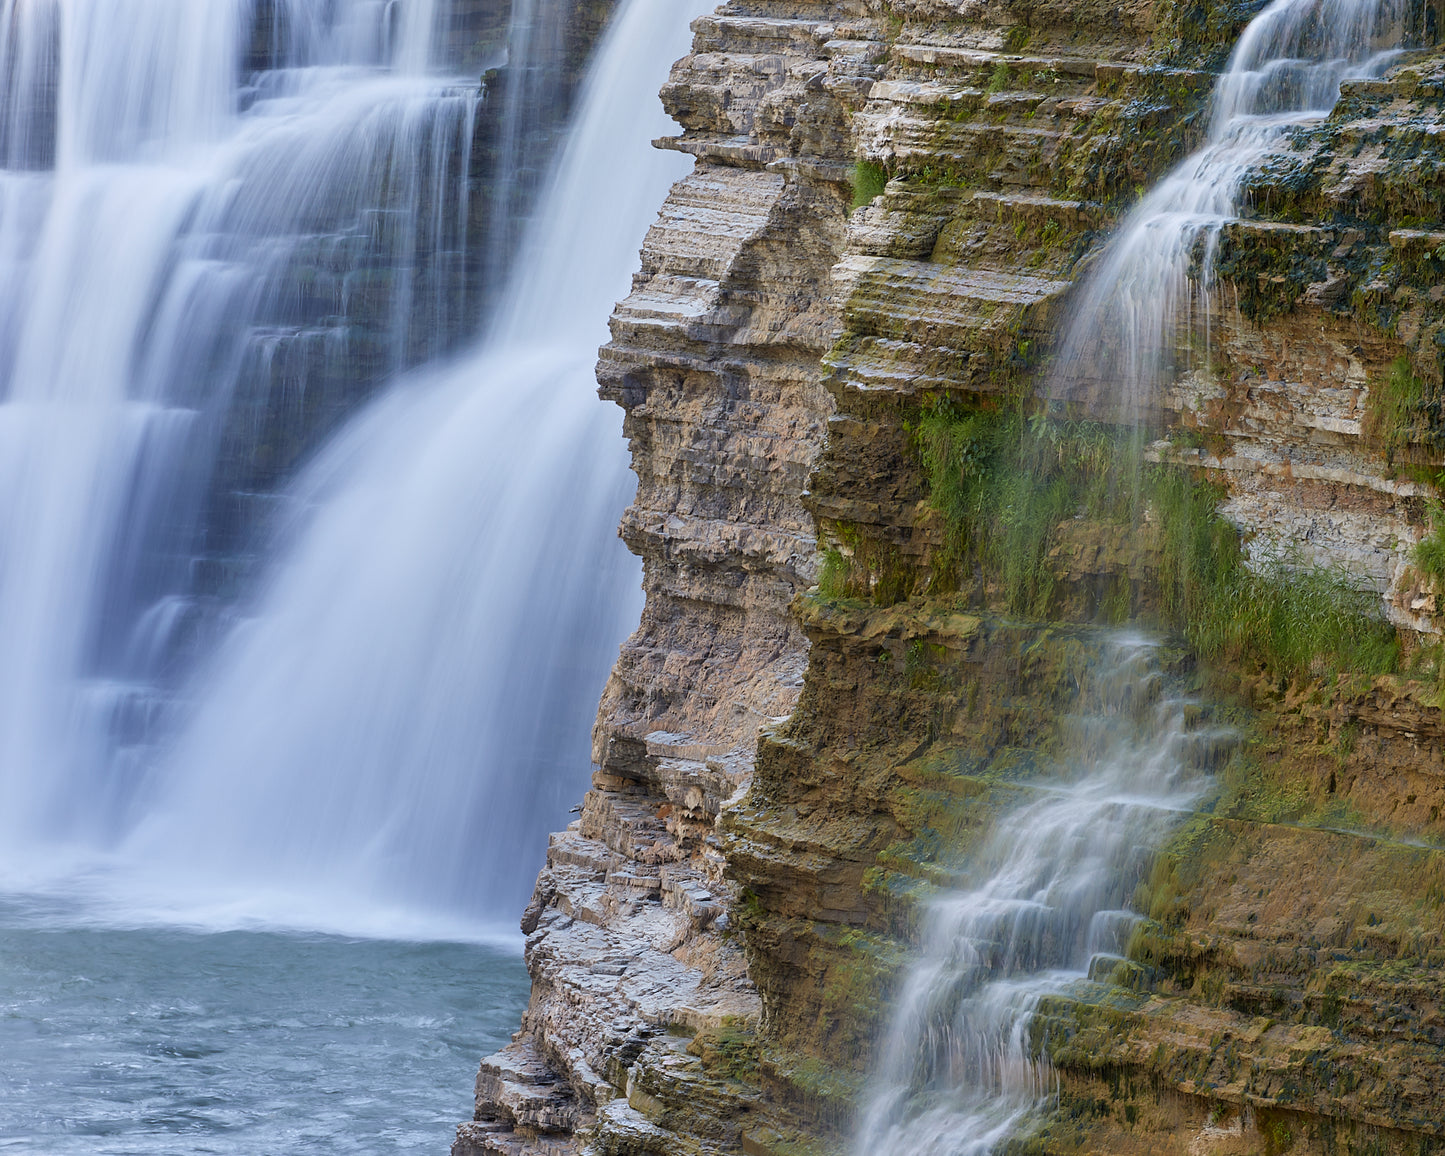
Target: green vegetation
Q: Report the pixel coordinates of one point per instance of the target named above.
(1294, 617)
(1429, 555)
(869, 569)
(869, 181)
(1006, 483)
(833, 578)
(1398, 417)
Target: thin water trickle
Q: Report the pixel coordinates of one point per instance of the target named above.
(959, 1069)
(1142, 312)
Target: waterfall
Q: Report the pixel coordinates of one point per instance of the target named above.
(365, 694)
(405, 712)
(539, 36)
(206, 249)
(1148, 298)
(958, 1070)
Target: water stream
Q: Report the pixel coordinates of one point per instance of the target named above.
(1142, 312)
(1047, 901)
(407, 711)
(960, 1071)
(370, 691)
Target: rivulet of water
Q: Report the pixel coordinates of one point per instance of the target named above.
(1047, 899)
(1144, 307)
(960, 1071)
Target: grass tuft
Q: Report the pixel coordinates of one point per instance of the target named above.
(1005, 483)
(1294, 617)
(1397, 414)
(869, 181)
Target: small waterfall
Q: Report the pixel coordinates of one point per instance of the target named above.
(1146, 302)
(958, 1071)
(404, 713)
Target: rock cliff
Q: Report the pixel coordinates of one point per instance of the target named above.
(828, 697)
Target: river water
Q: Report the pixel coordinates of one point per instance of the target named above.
(156, 1040)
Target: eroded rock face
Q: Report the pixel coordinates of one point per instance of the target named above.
(714, 942)
(642, 1014)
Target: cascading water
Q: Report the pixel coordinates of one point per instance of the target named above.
(539, 30)
(406, 714)
(1139, 307)
(959, 1072)
(215, 259)
(210, 233)
(1050, 886)
(399, 711)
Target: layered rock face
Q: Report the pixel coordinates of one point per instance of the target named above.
(715, 359)
(715, 942)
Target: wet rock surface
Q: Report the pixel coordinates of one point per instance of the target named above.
(714, 943)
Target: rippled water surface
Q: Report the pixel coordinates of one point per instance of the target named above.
(159, 1040)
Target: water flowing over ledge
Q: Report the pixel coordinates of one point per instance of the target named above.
(960, 1068)
(400, 711)
(1142, 314)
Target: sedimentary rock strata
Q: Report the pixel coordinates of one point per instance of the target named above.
(714, 941)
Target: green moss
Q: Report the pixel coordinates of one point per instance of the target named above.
(833, 579)
(1402, 417)
(857, 981)
(1292, 617)
(865, 568)
(1016, 39)
(869, 181)
(729, 1051)
(1005, 483)
(1269, 275)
